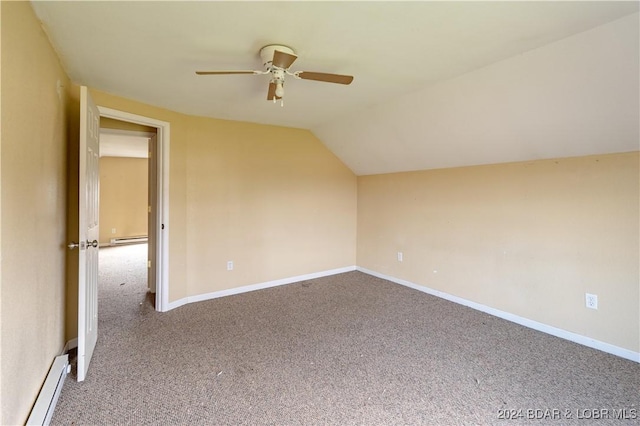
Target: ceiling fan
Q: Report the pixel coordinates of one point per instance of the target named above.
(277, 59)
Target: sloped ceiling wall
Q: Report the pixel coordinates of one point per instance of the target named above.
(577, 96)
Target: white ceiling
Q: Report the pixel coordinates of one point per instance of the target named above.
(148, 51)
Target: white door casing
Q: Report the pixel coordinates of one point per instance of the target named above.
(88, 218)
(152, 221)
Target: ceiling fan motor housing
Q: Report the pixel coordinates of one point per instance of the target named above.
(266, 53)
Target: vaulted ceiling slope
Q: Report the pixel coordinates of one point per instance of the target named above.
(578, 96)
(437, 84)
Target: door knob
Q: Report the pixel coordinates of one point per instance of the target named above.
(93, 243)
(73, 245)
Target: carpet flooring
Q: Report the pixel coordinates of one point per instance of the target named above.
(349, 349)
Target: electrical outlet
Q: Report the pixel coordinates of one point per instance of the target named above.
(230, 265)
(113, 230)
(399, 256)
(591, 301)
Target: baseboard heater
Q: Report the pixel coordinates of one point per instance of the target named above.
(48, 397)
(129, 240)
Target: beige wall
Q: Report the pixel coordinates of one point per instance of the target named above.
(123, 197)
(526, 238)
(33, 209)
(274, 200)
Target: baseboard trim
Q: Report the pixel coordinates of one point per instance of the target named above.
(554, 331)
(260, 286)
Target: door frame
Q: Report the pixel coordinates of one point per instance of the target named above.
(161, 267)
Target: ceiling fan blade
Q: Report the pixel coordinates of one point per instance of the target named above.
(329, 78)
(272, 92)
(223, 72)
(282, 59)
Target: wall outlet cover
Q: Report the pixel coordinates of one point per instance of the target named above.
(591, 301)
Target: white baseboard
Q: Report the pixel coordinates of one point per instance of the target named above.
(260, 286)
(558, 332)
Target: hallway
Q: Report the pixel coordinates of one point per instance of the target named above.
(122, 289)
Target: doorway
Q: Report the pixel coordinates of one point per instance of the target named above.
(126, 194)
(157, 133)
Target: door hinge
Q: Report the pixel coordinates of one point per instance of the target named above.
(149, 209)
(149, 264)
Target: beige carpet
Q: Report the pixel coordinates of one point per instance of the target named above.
(342, 350)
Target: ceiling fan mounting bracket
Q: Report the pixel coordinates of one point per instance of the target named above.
(277, 74)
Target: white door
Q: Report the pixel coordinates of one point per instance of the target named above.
(89, 194)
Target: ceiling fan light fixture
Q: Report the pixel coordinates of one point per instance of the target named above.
(277, 60)
(279, 89)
